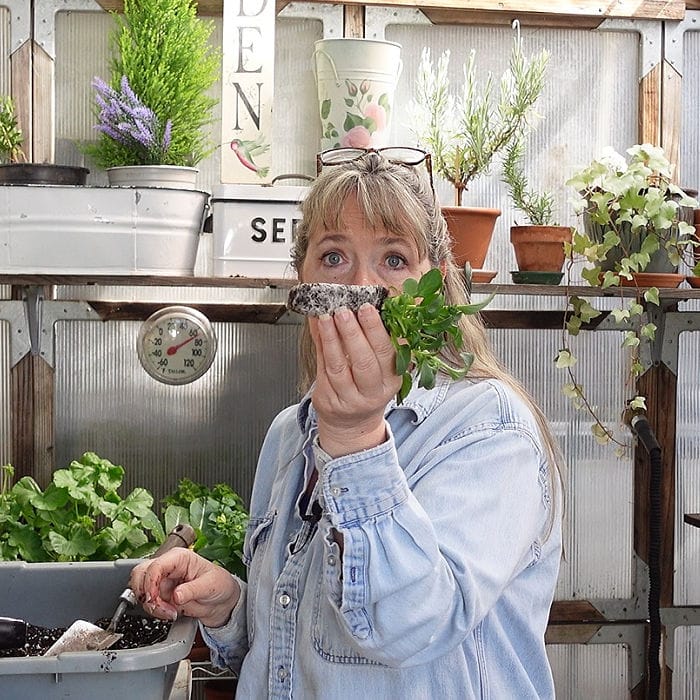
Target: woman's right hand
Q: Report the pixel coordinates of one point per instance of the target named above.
(181, 582)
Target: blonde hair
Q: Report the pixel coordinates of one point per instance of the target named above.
(400, 199)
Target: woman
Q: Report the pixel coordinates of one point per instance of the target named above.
(393, 551)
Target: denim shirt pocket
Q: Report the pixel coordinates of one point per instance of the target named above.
(330, 638)
(257, 534)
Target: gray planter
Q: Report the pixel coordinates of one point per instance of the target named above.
(55, 595)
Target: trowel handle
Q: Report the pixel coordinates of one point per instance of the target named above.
(181, 535)
(13, 633)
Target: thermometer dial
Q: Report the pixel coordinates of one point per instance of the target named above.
(176, 345)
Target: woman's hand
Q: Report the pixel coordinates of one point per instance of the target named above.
(355, 379)
(182, 582)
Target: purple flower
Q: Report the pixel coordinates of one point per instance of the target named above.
(125, 119)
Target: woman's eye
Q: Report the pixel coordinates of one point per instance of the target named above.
(332, 259)
(395, 261)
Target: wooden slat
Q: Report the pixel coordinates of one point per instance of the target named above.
(31, 411)
(228, 313)
(570, 611)
(650, 107)
(671, 114)
(42, 105)
(20, 77)
(692, 519)
(354, 21)
(493, 17)
(639, 9)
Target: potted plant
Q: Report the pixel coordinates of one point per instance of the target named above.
(465, 133)
(79, 516)
(635, 220)
(538, 245)
(67, 553)
(155, 107)
(15, 170)
(219, 518)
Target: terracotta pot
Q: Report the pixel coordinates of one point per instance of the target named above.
(471, 229)
(540, 248)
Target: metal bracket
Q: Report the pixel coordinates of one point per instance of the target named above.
(680, 616)
(13, 312)
(673, 38)
(664, 347)
(331, 16)
(20, 30)
(635, 608)
(45, 20)
(650, 41)
(32, 322)
(377, 19)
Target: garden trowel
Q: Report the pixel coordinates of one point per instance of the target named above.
(85, 636)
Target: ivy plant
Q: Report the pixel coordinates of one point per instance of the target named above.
(633, 215)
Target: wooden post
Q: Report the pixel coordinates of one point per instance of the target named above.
(31, 411)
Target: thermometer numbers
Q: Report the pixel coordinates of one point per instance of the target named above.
(176, 345)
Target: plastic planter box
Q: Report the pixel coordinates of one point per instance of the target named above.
(55, 595)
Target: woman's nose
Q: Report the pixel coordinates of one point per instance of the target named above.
(364, 275)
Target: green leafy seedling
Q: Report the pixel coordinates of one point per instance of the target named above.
(420, 324)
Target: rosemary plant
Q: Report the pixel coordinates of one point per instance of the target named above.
(464, 134)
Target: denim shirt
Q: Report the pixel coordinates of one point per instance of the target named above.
(450, 559)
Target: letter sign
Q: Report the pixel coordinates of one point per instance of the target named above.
(246, 92)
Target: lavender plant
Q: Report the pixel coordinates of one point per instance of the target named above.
(161, 48)
(126, 120)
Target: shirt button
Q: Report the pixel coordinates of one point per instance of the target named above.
(285, 600)
(335, 491)
(331, 560)
(281, 673)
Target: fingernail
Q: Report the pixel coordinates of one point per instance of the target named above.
(343, 313)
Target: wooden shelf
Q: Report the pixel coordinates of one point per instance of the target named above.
(537, 290)
(623, 9)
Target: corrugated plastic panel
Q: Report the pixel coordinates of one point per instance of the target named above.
(690, 138)
(590, 671)
(5, 49)
(210, 430)
(687, 550)
(598, 485)
(686, 662)
(573, 128)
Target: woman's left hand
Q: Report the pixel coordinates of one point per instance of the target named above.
(355, 379)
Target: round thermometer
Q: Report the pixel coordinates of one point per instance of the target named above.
(176, 345)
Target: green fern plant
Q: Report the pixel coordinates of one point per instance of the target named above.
(163, 50)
